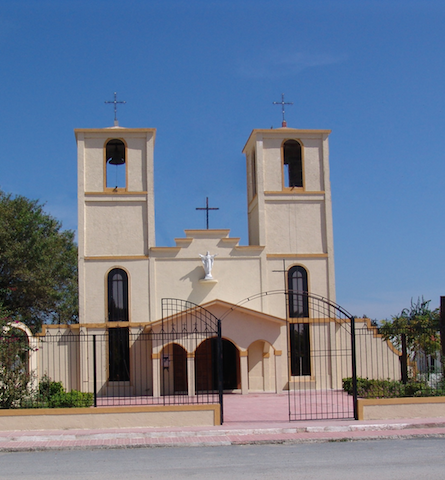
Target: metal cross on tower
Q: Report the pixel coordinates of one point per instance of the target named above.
(115, 102)
(207, 208)
(282, 103)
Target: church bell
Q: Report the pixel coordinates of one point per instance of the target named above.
(115, 152)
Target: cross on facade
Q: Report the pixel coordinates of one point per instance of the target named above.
(207, 208)
(115, 102)
(282, 103)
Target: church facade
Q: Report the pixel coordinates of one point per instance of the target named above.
(124, 275)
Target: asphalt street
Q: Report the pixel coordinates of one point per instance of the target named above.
(420, 458)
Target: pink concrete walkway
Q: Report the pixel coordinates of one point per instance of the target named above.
(271, 407)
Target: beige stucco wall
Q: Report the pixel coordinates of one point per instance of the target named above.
(115, 417)
(58, 357)
(302, 225)
(376, 358)
(116, 227)
(394, 408)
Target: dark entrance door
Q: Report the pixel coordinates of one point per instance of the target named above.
(206, 366)
(180, 369)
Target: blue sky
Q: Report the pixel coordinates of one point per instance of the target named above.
(204, 74)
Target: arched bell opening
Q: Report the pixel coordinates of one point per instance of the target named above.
(115, 164)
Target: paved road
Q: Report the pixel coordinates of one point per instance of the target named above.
(421, 458)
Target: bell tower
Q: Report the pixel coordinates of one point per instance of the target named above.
(115, 216)
(289, 201)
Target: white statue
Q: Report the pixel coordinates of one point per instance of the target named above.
(207, 263)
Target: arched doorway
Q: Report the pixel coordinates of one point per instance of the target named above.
(173, 370)
(206, 366)
(261, 366)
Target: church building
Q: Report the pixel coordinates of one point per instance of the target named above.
(267, 328)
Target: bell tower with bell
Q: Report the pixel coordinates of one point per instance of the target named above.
(115, 219)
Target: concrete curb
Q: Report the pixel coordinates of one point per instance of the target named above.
(15, 441)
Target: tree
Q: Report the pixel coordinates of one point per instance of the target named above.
(414, 330)
(38, 264)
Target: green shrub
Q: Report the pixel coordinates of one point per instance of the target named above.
(48, 388)
(53, 395)
(370, 388)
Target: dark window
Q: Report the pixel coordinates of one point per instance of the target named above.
(300, 349)
(119, 354)
(117, 295)
(297, 289)
(115, 157)
(293, 166)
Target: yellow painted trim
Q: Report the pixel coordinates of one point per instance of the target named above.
(155, 356)
(91, 326)
(293, 191)
(165, 249)
(278, 353)
(230, 239)
(286, 131)
(250, 247)
(210, 232)
(296, 255)
(243, 353)
(111, 192)
(266, 355)
(317, 320)
(75, 326)
(187, 240)
(108, 130)
(190, 355)
(376, 334)
(371, 402)
(116, 258)
(25, 412)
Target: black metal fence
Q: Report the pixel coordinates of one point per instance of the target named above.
(177, 361)
(387, 369)
(321, 354)
(120, 367)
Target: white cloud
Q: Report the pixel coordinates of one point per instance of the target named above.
(277, 64)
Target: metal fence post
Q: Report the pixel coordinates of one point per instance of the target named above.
(354, 367)
(219, 354)
(94, 371)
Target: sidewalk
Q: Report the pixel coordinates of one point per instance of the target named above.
(250, 419)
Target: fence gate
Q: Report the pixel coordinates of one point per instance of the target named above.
(321, 353)
(190, 347)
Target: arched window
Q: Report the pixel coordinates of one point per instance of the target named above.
(297, 287)
(117, 295)
(299, 332)
(292, 164)
(115, 164)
